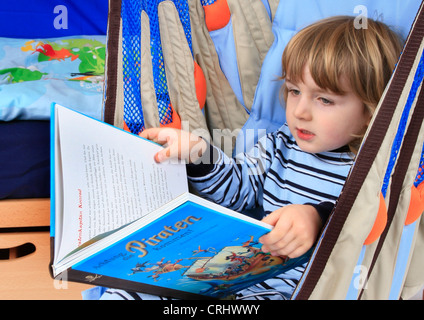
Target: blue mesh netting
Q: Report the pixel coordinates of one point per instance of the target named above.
(207, 2)
(131, 33)
(133, 114)
(420, 174)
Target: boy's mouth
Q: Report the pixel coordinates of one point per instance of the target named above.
(304, 134)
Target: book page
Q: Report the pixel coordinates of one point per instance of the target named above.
(109, 178)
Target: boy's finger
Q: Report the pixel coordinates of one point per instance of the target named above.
(162, 155)
(271, 219)
(150, 134)
(159, 135)
(281, 227)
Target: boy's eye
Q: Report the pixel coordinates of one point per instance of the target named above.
(294, 92)
(325, 101)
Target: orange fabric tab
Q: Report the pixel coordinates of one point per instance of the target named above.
(200, 84)
(379, 224)
(126, 127)
(217, 15)
(416, 206)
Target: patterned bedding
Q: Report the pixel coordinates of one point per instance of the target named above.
(36, 72)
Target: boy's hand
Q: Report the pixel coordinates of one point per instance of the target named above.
(178, 144)
(296, 228)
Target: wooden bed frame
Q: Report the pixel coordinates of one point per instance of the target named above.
(25, 253)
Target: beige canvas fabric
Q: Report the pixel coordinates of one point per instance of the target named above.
(179, 68)
(223, 111)
(380, 280)
(147, 87)
(253, 36)
(414, 278)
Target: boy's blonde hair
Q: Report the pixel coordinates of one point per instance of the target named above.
(334, 47)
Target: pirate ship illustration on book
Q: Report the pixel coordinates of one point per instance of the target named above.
(225, 271)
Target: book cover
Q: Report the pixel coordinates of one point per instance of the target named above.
(193, 249)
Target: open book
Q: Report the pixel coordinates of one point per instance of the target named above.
(121, 220)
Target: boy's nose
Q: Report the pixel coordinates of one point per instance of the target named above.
(302, 110)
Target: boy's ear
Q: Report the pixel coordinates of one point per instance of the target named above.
(370, 114)
(369, 119)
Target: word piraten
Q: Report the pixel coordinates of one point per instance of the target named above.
(167, 232)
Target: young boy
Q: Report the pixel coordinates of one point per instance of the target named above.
(334, 77)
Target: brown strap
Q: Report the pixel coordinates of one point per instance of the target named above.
(114, 21)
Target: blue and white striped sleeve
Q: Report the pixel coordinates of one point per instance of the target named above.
(235, 183)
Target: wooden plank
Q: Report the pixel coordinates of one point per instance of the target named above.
(24, 213)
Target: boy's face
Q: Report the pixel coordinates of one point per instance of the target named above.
(321, 120)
